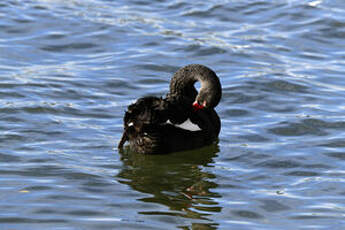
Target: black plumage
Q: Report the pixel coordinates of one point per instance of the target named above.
(150, 124)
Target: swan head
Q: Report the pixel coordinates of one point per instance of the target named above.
(210, 93)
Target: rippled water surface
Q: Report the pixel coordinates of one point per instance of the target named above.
(68, 69)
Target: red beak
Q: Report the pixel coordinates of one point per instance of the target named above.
(197, 106)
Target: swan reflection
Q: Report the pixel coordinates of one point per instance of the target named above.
(181, 181)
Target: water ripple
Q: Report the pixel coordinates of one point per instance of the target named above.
(69, 69)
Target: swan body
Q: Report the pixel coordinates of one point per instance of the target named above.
(185, 119)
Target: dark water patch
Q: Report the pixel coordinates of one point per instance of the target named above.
(245, 156)
(276, 107)
(259, 178)
(241, 98)
(96, 113)
(158, 68)
(12, 137)
(35, 160)
(254, 138)
(302, 174)
(17, 30)
(198, 13)
(283, 164)
(96, 183)
(37, 188)
(273, 206)
(71, 197)
(190, 48)
(255, 7)
(165, 216)
(177, 5)
(40, 135)
(298, 129)
(4, 27)
(153, 81)
(40, 7)
(7, 158)
(313, 56)
(231, 186)
(39, 110)
(171, 34)
(69, 47)
(45, 211)
(24, 220)
(236, 112)
(53, 36)
(83, 212)
(79, 175)
(338, 155)
(335, 143)
(151, 44)
(22, 20)
(210, 51)
(93, 190)
(282, 86)
(5, 95)
(50, 171)
(312, 216)
(317, 166)
(27, 172)
(9, 85)
(118, 86)
(247, 214)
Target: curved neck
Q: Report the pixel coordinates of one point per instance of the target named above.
(182, 84)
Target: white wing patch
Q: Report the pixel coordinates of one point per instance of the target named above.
(187, 125)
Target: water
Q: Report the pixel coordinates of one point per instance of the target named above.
(68, 70)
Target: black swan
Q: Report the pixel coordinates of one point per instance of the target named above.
(183, 120)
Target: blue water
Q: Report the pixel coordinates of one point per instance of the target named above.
(68, 70)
